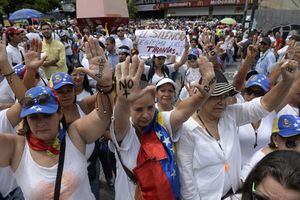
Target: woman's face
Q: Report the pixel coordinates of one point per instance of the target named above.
(77, 77)
(66, 95)
(165, 94)
(122, 57)
(192, 61)
(142, 110)
(216, 105)
(44, 126)
(253, 92)
(159, 61)
(193, 44)
(269, 188)
(288, 143)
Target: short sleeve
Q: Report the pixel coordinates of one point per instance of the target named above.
(5, 125)
(176, 135)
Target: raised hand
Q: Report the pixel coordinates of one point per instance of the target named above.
(3, 52)
(99, 68)
(252, 51)
(289, 70)
(208, 79)
(128, 79)
(32, 55)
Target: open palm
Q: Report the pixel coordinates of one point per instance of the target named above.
(3, 52)
(32, 55)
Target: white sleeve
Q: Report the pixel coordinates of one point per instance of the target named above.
(247, 112)
(185, 151)
(146, 70)
(174, 135)
(248, 166)
(5, 125)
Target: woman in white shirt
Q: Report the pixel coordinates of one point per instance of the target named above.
(165, 94)
(208, 151)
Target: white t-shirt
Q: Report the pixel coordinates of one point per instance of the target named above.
(125, 41)
(8, 182)
(81, 95)
(6, 94)
(14, 54)
(156, 77)
(38, 182)
(32, 36)
(250, 164)
(129, 149)
(247, 136)
(288, 109)
(209, 168)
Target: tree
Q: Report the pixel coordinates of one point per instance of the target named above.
(132, 9)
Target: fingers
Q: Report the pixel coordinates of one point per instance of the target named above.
(125, 68)
(99, 50)
(88, 50)
(134, 66)
(118, 72)
(290, 66)
(41, 62)
(93, 46)
(140, 70)
(40, 46)
(3, 39)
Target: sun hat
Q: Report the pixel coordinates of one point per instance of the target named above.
(222, 85)
(260, 80)
(60, 79)
(288, 125)
(164, 81)
(40, 99)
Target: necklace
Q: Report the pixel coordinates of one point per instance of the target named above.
(206, 127)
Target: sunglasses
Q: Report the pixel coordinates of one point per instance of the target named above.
(42, 99)
(256, 196)
(257, 93)
(291, 143)
(192, 57)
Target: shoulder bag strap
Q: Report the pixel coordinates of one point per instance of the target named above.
(60, 169)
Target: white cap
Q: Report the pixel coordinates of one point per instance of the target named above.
(160, 55)
(164, 81)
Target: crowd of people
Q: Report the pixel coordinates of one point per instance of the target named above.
(161, 126)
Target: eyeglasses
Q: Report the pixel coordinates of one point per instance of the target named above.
(256, 196)
(257, 93)
(192, 57)
(42, 99)
(121, 30)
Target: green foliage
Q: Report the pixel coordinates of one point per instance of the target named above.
(2, 4)
(40, 5)
(132, 9)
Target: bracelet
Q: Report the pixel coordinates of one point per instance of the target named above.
(100, 89)
(9, 74)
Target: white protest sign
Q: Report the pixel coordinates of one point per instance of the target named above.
(168, 42)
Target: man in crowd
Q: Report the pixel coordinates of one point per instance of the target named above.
(15, 52)
(55, 52)
(267, 59)
(122, 40)
(110, 52)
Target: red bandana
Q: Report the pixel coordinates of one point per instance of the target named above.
(39, 145)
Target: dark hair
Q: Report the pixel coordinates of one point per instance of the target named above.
(283, 166)
(164, 69)
(111, 40)
(86, 84)
(45, 24)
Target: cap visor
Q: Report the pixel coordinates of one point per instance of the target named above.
(36, 109)
(62, 84)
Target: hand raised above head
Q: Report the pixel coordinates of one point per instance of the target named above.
(99, 68)
(207, 72)
(3, 52)
(32, 55)
(128, 77)
(289, 70)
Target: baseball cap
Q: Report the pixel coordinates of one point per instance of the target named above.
(164, 81)
(265, 40)
(12, 30)
(222, 85)
(288, 125)
(20, 70)
(275, 128)
(40, 99)
(194, 52)
(60, 79)
(251, 73)
(260, 80)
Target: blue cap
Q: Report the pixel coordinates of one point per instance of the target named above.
(20, 70)
(259, 80)
(194, 51)
(288, 125)
(60, 79)
(49, 106)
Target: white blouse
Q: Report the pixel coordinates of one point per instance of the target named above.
(209, 168)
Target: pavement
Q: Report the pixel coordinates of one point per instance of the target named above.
(105, 192)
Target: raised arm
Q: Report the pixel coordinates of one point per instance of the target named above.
(184, 56)
(128, 90)
(93, 125)
(187, 107)
(274, 97)
(240, 78)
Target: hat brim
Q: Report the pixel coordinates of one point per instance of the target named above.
(59, 85)
(37, 109)
(257, 84)
(289, 133)
(222, 88)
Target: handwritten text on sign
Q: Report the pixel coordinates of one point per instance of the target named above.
(168, 42)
